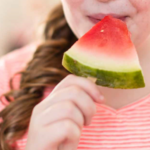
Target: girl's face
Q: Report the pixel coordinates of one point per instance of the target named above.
(81, 15)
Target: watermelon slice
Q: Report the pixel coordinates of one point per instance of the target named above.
(106, 53)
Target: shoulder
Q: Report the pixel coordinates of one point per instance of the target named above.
(12, 63)
(17, 59)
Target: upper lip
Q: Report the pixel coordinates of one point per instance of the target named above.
(100, 16)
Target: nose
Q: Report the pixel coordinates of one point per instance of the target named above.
(104, 1)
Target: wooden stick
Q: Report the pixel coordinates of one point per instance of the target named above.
(92, 79)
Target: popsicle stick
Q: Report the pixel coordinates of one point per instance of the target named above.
(92, 79)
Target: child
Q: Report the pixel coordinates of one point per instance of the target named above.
(48, 109)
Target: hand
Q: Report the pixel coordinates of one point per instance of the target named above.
(57, 121)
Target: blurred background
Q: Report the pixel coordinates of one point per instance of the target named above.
(20, 22)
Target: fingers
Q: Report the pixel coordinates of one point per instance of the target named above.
(50, 137)
(68, 138)
(77, 96)
(61, 111)
(85, 84)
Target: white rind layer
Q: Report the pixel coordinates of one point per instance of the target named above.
(104, 63)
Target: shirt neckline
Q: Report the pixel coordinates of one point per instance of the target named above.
(132, 105)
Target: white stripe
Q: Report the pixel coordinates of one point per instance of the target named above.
(116, 137)
(119, 149)
(121, 129)
(22, 140)
(120, 123)
(115, 146)
(137, 115)
(107, 132)
(123, 118)
(118, 141)
(144, 110)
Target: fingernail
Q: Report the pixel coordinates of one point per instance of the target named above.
(101, 97)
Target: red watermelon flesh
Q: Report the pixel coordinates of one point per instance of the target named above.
(113, 40)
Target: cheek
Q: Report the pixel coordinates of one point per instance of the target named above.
(139, 23)
(140, 26)
(141, 5)
(74, 15)
(142, 16)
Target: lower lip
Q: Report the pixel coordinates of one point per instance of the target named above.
(96, 20)
(93, 20)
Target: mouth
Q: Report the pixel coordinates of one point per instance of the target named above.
(98, 17)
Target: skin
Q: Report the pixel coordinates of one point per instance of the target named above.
(49, 128)
(138, 24)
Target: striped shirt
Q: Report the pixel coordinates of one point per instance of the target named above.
(127, 128)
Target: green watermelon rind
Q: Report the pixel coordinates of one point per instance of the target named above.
(123, 80)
